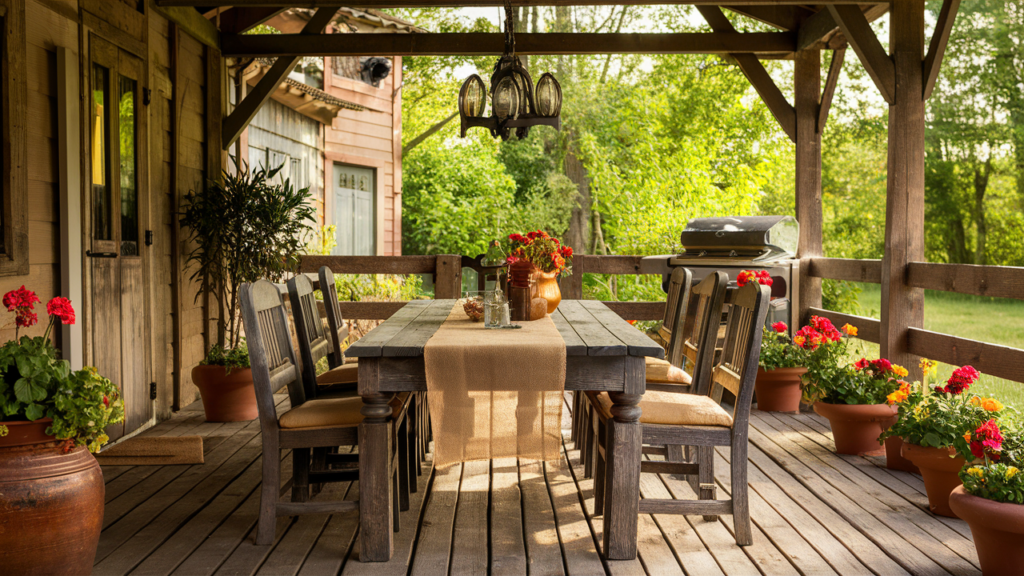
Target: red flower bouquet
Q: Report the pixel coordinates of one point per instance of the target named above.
(542, 250)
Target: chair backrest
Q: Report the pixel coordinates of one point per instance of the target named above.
(700, 328)
(313, 343)
(270, 349)
(737, 369)
(337, 332)
(676, 303)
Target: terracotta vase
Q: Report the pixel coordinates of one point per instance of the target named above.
(520, 273)
(27, 432)
(779, 390)
(547, 288)
(997, 528)
(894, 459)
(856, 427)
(51, 509)
(227, 397)
(939, 470)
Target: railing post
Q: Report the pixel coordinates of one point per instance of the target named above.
(572, 286)
(903, 306)
(449, 277)
(807, 87)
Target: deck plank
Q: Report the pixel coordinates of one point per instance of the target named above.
(543, 549)
(469, 540)
(335, 542)
(433, 551)
(508, 549)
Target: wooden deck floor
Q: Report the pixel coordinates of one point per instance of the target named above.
(814, 513)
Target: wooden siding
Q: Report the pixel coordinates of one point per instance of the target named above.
(279, 128)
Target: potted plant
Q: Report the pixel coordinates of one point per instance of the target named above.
(780, 368)
(936, 433)
(51, 420)
(991, 499)
(243, 229)
(544, 259)
(905, 400)
(853, 398)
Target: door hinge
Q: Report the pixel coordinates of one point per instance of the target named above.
(152, 390)
(149, 237)
(147, 96)
(92, 254)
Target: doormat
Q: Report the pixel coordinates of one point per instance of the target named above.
(154, 451)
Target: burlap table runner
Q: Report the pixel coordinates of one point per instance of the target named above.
(495, 393)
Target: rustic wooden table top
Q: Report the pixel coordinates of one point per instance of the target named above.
(588, 327)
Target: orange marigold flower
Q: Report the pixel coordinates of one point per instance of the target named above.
(849, 330)
(799, 340)
(900, 371)
(992, 405)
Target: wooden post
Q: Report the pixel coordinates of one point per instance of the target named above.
(448, 278)
(807, 85)
(903, 306)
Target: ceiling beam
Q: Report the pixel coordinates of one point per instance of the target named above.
(876, 61)
(782, 17)
(937, 46)
(238, 20)
(756, 73)
(246, 110)
(830, 87)
(482, 44)
(479, 3)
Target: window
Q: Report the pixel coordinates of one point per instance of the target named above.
(14, 203)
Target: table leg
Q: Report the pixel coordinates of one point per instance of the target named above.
(375, 497)
(622, 471)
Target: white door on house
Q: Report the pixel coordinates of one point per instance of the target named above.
(354, 211)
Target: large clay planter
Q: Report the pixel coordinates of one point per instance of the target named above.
(779, 390)
(27, 432)
(547, 288)
(227, 397)
(894, 459)
(998, 531)
(856, 427)
(51, 509)
(939, 472)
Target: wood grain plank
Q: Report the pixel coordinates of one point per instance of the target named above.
(543, 550)
(599, 341)
(508, 548)
(469, 538)
(372, 345)
(433, 550)
(639, 343)
(409, 342)
(574, 345)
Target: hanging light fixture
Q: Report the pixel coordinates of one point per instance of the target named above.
(514, 105)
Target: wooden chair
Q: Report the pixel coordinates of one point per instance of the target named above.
(699, 420)
(691, 339)
(308, 424)
(315, 344)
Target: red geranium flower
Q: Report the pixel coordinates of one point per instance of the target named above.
(20, 298)
(25, 319)
(745, 276)
(780, 327)
(986, 439)
(61, 308)
(960, 380)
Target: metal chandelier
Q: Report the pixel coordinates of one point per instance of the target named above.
(514, 106)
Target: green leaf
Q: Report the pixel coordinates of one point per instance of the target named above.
(34, 411)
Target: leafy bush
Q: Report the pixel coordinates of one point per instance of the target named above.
(229, 358)
(778, 350)
(994, 481)
(841, 296)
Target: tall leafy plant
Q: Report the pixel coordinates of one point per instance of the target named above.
(245, 228)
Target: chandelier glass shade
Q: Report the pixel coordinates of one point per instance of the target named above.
(515, 107)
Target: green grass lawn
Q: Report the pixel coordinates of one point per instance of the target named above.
(994, 320)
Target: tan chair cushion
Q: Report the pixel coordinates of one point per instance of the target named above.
(344, 374)
(324, 412)
(664, 372)
(675, 408)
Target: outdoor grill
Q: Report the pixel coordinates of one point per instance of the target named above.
(738, 243)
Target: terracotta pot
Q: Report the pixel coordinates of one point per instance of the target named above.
(779, 390)
(856, 427)
(26, 432)
(894, 459)
(997, 528)
(547, 288)
(51, 509)
(227, 397)
(939, 470)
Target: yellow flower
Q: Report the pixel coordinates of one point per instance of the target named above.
(1011, 472)
(849, 330)
(992, 405)
(799, 340)
(3, 431)
(975, 471)
(975, 401)
(900, 371)
(929, 367)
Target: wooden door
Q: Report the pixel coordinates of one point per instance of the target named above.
(117, 262)
(355, 211)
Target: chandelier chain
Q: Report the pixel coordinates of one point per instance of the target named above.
(510, 38)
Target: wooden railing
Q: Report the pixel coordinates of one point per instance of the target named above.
(447, 272)
(993, 281)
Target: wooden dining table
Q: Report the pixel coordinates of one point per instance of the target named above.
(603, 353)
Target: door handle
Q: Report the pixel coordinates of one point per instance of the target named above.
(92, 254)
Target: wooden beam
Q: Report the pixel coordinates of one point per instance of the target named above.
(869, 271)
(244, 112)
(487, 3)
(902, 305)
(858, 32)
(238, 20)
(993, 359)
(815, 29)
(834, 68)
(782, 17)
(867, 328)
(483, 44)
(807, 87)
(755, 73)
(937, 46)
(993, 281)
(192, 22)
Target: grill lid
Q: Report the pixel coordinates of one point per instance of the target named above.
(758, 238)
